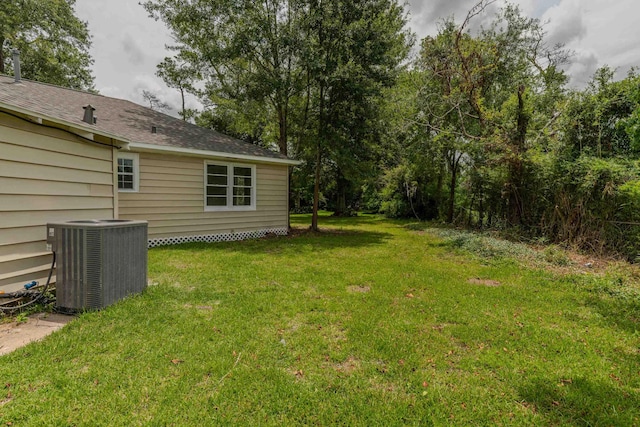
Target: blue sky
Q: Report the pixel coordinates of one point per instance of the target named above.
(127, 44)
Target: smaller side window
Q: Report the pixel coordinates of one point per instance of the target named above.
(128, 173)
(216, 185)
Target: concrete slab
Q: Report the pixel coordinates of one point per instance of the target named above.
(16, 335)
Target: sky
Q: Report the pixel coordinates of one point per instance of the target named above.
(127, 44)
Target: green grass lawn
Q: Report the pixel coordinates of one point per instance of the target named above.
(371, 322)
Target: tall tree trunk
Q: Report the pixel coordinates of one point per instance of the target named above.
(439, 196)
(321, 130)
(341, 196)
(184, 112)
(454, 161)
(2, 70)
(470, 215)
(316, 191)
(316, 186)
(282, 127)
(515, 201)
(516, 208)
(480, 208)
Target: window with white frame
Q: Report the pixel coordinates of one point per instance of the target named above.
(128, 173)
(229, 186)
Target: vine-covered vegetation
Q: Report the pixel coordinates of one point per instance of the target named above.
(493, 138)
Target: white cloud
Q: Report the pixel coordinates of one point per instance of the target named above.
(565, 22)
(113, 91)
(134, 52)
(584, 63)
(536, 8)
(126, 44)
(606, 35)
(426, 16)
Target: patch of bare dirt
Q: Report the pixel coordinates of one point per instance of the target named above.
(577, 263)
(348, 366)
(359, 288)
(484, 282)
(180, 265)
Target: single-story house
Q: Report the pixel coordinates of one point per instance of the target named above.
(72, 155)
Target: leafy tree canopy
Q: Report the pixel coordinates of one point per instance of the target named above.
(314, 68)
(53, 43)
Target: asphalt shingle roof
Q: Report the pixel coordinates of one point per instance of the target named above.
(122, 119)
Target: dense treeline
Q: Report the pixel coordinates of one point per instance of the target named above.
(562, 167)
(479, 129)
(493, 138)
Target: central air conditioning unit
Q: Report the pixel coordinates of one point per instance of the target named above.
(98, 262)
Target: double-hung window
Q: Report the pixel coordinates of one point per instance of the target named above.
(128, 174)
(229, 186)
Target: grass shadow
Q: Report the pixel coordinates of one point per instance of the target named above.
(413, 225)
(580, 401)
(623, 313)
(616, 301)
(334, 233)
(301, 239)
(326, 218)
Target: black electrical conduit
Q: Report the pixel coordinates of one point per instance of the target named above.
(29, 294)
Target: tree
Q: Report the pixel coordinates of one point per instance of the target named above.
(178, 74)
(318, 65)
(477, 104)
(245, 51)
(248, 125)
(54, 44)
(594, 191)
(353, 51)
(411, 181)
(599, 120)
(155, 103)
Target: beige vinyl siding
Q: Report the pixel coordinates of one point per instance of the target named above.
(46, 175)
(171, 198)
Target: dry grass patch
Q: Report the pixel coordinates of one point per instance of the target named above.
(350, 365)
(358, 288)
(484, 282)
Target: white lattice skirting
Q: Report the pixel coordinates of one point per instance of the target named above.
(212, 238)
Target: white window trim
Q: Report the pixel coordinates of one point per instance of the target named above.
(136, 172)
(229, 207)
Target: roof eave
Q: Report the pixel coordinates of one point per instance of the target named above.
(82, 131)
(137, 146)
(126, 144)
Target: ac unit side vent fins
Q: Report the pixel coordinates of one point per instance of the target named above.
(99, 262)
